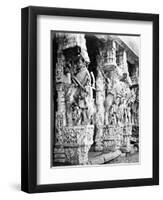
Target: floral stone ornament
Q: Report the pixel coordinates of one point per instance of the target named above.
(96, 107)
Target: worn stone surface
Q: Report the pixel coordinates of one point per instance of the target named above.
(99, 106)
(104, 157)
(77, 141)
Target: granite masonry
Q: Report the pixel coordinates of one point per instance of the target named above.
(95, 98)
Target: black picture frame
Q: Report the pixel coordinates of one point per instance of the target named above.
(29, 99)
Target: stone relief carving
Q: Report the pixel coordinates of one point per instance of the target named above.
(83, 118)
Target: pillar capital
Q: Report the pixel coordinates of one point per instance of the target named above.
(107, 56)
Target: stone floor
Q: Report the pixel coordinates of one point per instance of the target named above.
(101, 158)
(131, 158)
(116, 157)
(97, 158)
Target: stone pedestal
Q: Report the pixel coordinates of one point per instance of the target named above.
(127, 132)
(112, 138)
(99, 138)
(59, 155)
(77, 141)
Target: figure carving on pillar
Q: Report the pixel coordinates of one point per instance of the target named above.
(112, 116)
(94, 104)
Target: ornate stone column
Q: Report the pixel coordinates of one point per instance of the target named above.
(77, 141)
(126, 95)
(100, 110)
(74, 99)
(60, 115)
(106, 62)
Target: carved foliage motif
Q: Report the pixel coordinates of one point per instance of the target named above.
(110, 114)
(78, 135)
(77, 142)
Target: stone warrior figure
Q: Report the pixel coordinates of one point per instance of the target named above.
(79, 95)
(116, 110)
(129, 115)
(108, 100)
(86, 104)
(112, 116)
(76, 114)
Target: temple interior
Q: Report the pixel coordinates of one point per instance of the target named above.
(95, 98)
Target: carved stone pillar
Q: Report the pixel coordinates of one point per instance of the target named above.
(121, 58)
(60, 114)
(61, 107)
(77, 141)
(61, 102)
(104, 82)
(100, 110)
(75, 99)
(125, 82)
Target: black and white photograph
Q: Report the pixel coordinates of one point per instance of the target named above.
(90, 99)
(94, 98)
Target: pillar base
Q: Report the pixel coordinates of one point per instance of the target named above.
(59, 154)
(76, 142)
(77, 155)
